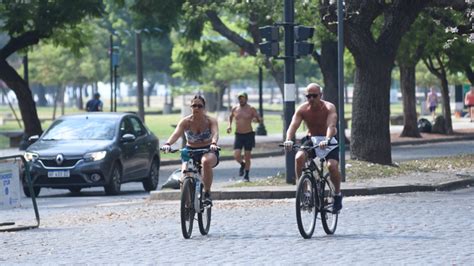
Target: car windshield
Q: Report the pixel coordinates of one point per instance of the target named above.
(81, 129)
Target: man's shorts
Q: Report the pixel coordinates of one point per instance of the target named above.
(432, 108)
(197, 157)
(334, 154)
(246, 141)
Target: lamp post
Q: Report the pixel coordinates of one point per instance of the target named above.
(340, 74)
(261, 131)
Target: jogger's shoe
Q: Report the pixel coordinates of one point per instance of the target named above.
(242, 168)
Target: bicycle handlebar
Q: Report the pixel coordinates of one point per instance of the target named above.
(296, 146)
(193, 150)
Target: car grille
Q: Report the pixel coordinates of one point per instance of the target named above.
(52, 162)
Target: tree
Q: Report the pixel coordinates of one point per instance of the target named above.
(374, 50)
(409, 54)
(27, 24)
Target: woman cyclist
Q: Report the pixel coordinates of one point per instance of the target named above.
(201, 131)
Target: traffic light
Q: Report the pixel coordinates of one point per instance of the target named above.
(270, 47)
(302, 34)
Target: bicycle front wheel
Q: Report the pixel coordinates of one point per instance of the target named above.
(306, 205)
(187, 208)
(328, 217)
(204, 216)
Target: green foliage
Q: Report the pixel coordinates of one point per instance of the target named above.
(56, 20)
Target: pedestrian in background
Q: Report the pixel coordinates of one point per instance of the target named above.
(244, 114)
(469, 102)
(432, 102)
(94, 104)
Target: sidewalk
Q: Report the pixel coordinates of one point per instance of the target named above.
(464, 130)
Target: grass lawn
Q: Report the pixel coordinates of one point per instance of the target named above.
(161, 125)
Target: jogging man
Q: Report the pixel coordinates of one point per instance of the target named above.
(244, 114)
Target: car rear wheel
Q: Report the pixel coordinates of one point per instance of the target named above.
(113, 187)
(151, 182)
(26, 190)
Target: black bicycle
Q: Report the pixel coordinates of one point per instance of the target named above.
(192, 194)
(314, 194)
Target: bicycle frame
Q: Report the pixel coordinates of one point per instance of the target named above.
(193, 170)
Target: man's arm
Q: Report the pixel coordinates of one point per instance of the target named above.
(231, 118)
(256, 116)
(331, 122)
(294, 125)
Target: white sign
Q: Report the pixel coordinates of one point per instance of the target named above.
(10, 195)
(290, 92)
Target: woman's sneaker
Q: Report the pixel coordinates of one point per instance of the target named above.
(207, 199)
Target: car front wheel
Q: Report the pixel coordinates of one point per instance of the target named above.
(151, 182)
(113, 186)
(26, 190)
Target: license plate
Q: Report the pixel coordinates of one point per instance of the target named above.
(60, 173)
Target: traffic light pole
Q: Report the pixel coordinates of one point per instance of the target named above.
(289, 87)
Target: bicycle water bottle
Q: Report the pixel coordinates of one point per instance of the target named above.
(197, 194)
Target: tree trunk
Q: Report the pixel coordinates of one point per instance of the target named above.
(407, 83)
(26, 103)
(41, 93)
(370, 132)
(446, 106)
(80, 102)
(328, 65)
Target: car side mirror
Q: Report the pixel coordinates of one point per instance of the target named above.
(128, 138)
(33, 138)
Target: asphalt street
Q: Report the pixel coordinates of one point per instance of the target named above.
(411, 228)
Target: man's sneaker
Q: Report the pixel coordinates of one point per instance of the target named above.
(337, 205)
(207, 199)
(242, 168)
(246, 179)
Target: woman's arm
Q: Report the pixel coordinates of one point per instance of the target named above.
(179, 130)
(214, 130)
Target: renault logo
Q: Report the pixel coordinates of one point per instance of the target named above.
(59, 159)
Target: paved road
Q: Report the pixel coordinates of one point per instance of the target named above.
(414, 228)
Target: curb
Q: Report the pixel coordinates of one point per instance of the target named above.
(275, 193)
(278, 153)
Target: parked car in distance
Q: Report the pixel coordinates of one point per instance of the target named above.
(91, 150)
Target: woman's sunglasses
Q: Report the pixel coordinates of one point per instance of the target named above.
(199, 106)
(313, 95)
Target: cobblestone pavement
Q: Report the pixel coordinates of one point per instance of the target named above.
(413, 228)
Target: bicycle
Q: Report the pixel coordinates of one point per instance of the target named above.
(314, 194)
(191, 195)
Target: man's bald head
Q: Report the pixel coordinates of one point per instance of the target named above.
(313, 88)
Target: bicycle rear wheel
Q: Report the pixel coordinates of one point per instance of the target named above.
(187, 208)
(306, 205)
(204, 216)
(328, 218)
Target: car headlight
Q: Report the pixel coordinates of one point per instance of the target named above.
(30, 156)
(95, 156)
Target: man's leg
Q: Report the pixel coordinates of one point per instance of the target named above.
(247, 156)
(333, 167)
(300, 158)
(238, 145)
